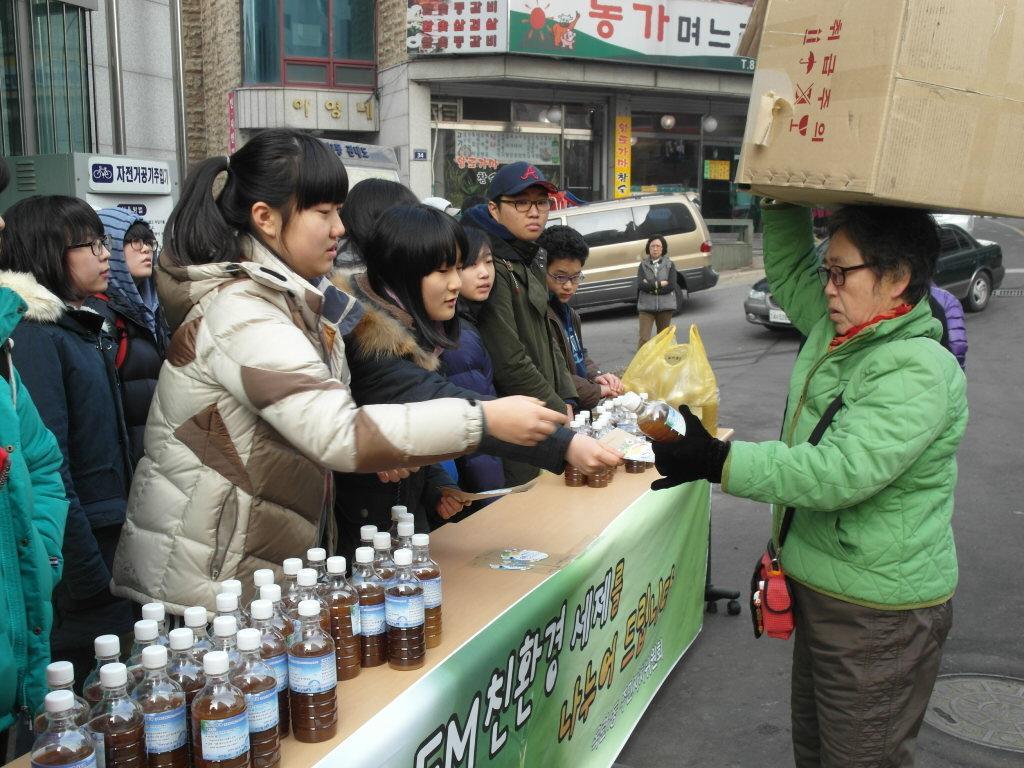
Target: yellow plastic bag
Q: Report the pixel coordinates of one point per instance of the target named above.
(676, 373)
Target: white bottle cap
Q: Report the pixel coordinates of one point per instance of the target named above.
(271, 592)
(382, 540)
(107, 645)
(227, 602)
(367, 532)
(364, 555)
(59, 701)
(113, 675)
(407, 516)
(154, 657)
(421, 540)
(145, 630)
(215, 663)
(261, 610)
(234, 586)
(336, 564)
(181, 639)
(291, 566)
(225, 626)
(631, 401)
(403, 556)
(316, 555)
(406, 528)
(398, 509)
(195, 616)
(249, 639)
(262, 576)
(154, 611)
(60, 673)
(306, 577)
(309, 608)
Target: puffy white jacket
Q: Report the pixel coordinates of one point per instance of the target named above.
(251, 413)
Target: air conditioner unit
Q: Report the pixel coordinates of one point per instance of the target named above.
(444, 111)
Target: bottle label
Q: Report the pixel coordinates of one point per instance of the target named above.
(371, 620)
(85, 762)
(312, 674)
(96, 737)
(224, 739)
(165, 731)
(674, 421)
(431, 592)
(279, 664)
(296, 631)
(262, 709)
(355, 615)
(404, 611)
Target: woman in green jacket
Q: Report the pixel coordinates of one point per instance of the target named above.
(870, 551)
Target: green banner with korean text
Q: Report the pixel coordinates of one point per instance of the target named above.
(563, 676)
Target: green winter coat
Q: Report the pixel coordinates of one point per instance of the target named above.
(874, 498)
(33, 507)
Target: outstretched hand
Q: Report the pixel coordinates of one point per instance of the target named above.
(697, 456)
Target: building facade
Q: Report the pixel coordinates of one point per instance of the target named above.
(56, 93)
(608, 99)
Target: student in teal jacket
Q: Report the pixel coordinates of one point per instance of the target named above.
(32, 512)
(870, 551)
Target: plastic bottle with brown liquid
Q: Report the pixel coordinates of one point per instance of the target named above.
(162, 702)
(260, 578)
(225, 630)
(403, 610)
(366, 534)
(62, 741)
(60, 676)
(396, 517)
(383, 562)
(313, 678)
(146, 633)
(195, 619)
(158, 613)
(257, 681)
(186, 670)
(316, 558)
(115, 722)
(289, 589)
(226, 604)
(656, 419)
(272, 592)
(343, 605)
(274, 651)
(406, 529)
(108, 650)
(220, 722)
(429, 574)
(310, 589)
(234, 586)
(372, 627)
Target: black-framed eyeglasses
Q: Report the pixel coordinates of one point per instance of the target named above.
(836, 274)
(561, 279)
(139, 243)
(522, 206)
(97, 245)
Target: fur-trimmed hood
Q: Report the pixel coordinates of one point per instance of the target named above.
(44, 306)
(385, 329)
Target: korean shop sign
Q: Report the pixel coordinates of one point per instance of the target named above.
(457, 26)
(685, 33)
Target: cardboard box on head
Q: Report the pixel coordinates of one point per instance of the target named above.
(900, 102)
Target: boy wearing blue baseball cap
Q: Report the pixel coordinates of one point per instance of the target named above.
(513, 322)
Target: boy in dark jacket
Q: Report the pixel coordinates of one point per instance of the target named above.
(567, 254)
(513, 322)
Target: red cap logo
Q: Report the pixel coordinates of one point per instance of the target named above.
(531, 173)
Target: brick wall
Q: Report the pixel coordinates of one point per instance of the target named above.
(212, 39)
(392, 33)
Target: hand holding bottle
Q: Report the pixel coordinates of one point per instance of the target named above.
(520, 420)
(697, 456)
(589, 456)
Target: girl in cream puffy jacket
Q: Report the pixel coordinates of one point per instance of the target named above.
(253, 409)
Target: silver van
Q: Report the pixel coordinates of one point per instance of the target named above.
(618, 230)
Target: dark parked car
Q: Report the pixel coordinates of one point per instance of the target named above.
(968, 268)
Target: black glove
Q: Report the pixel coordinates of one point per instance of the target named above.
(698, 456)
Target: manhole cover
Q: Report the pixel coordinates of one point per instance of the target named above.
(983, 709)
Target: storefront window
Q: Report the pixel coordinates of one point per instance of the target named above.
(10, 101)
(325, 42)
(60, 79)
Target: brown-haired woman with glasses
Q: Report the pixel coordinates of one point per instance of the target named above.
(55, 256)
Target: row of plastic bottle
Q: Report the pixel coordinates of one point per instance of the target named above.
(282, 670)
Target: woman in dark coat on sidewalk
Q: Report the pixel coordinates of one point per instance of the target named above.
(133, 318)
(54, 256)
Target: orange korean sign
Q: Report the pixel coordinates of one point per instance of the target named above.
(623, 155)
